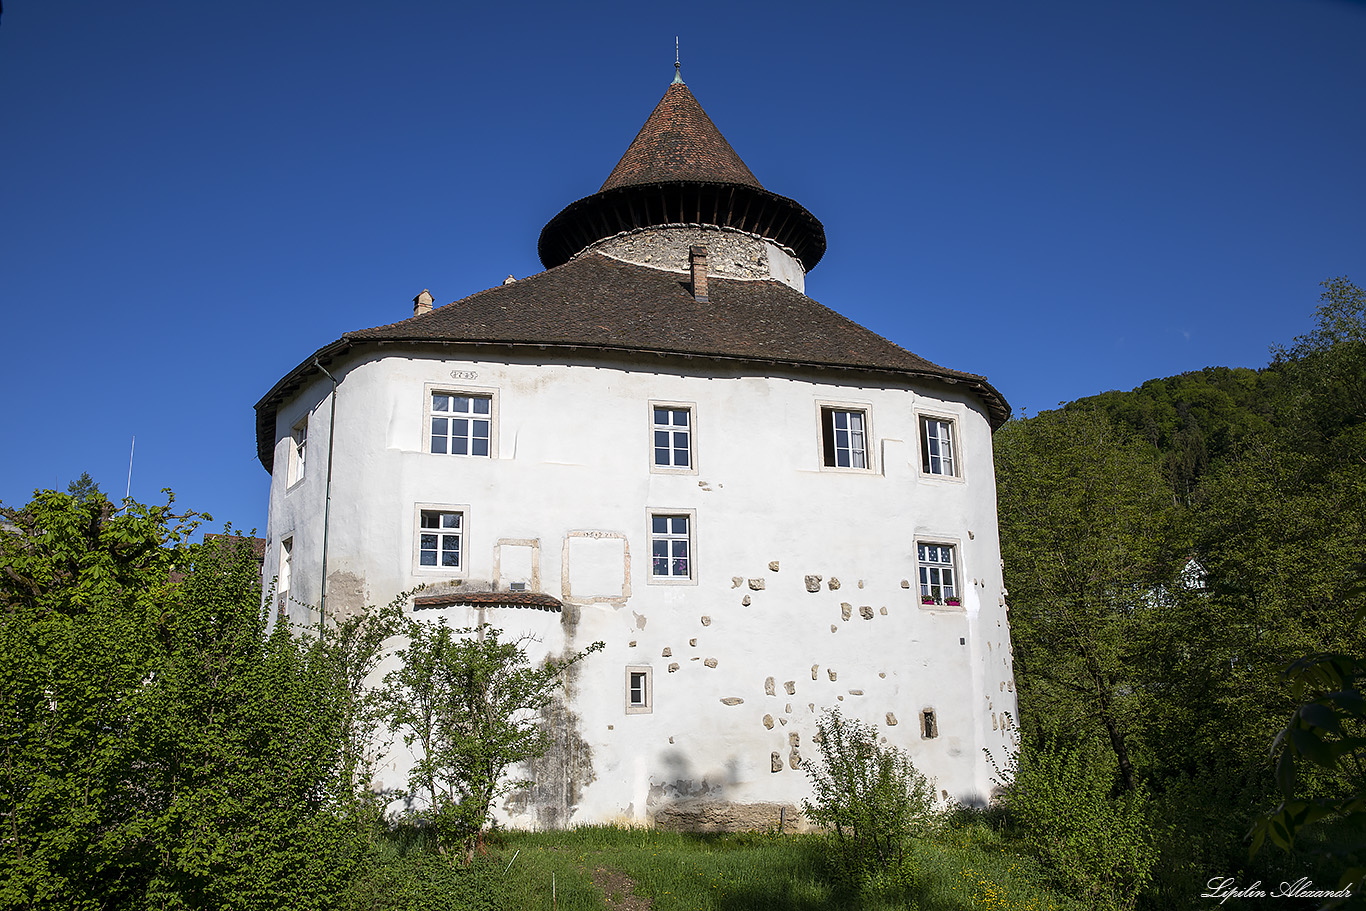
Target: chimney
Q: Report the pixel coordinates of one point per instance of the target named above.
(423, 303)
(697, 258)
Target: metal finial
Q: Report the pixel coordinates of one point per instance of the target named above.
(678, 67)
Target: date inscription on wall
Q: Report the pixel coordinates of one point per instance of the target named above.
(464, 374)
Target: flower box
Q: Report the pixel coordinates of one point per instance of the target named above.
(953, 602)
(926, 599)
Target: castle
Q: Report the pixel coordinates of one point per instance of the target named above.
(763, 508)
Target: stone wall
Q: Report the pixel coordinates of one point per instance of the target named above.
(730, 253)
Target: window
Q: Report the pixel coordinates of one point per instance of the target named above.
(929, 728)
(936, 447)
(844, 441)
(298, 444)
(639, 690)
(439, 538)
(671, 436)
(670, 547)
(461, 424)
(937, 579)
(282, 580)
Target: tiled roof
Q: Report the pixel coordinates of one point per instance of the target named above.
(679, 142)
(601, 304)
(490, 599)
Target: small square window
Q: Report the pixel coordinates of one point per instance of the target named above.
(844, 438)
(439, 539)
(671, 436)
(639, 690)
(938, 454)
(298, 446)
(461, 424)
(670, 547)
(938, 575)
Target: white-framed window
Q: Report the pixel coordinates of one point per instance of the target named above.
(298, 447)
(461, 423)
(671, 550)
(440, 539)
(938, 447)
(671, 437)
(844, 437)
(282, 579)
(938, 575)
(640, 690)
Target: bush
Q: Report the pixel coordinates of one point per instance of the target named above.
(1097, 846)
(868, 794)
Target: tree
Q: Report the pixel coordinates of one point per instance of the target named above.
(867, 792)
(157, 748)
(83, 488)
(469, 700)
(1087, 539)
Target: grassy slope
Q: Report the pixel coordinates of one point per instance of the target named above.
(965, 867)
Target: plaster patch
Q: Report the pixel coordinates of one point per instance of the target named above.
(640, 620)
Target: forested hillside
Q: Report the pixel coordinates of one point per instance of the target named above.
(1169, 552)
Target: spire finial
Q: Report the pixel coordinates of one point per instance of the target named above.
(678, 67)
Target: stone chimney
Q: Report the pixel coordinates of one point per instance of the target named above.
(697, 259)
(423, 303)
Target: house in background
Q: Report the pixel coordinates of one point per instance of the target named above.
(763, 508)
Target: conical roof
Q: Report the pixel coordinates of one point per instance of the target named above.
(679, 142)
(680, 170)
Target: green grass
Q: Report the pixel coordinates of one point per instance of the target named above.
(965, 866)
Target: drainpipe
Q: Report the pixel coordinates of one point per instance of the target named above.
(327, 508)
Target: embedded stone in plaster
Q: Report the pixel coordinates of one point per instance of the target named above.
(814, 669)
(794, 740)
(856, 692)
(768, 722)
(882, 673)
(782, 721)
(905, 583)
(706, 621)
(891, 719)
(865, 611)
(692, 642)
(788, 709)
(632, 643)
(833, 675)
(794, 759)
(732, 700)
(834, 584)
(790, 686)
(883, 611)
(813, 583)
(776, 762)
(840, 697)
(737, 581)
(846, 610)
(745, 601)
(860, 583)
(756, 584)
(773, 565)
(667, 653)
(710, 662)
(834, 628)
(768, 687)
(673, 667)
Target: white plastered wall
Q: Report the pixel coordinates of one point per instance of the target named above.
(572, 480)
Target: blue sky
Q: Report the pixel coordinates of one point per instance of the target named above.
(1067, 197)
